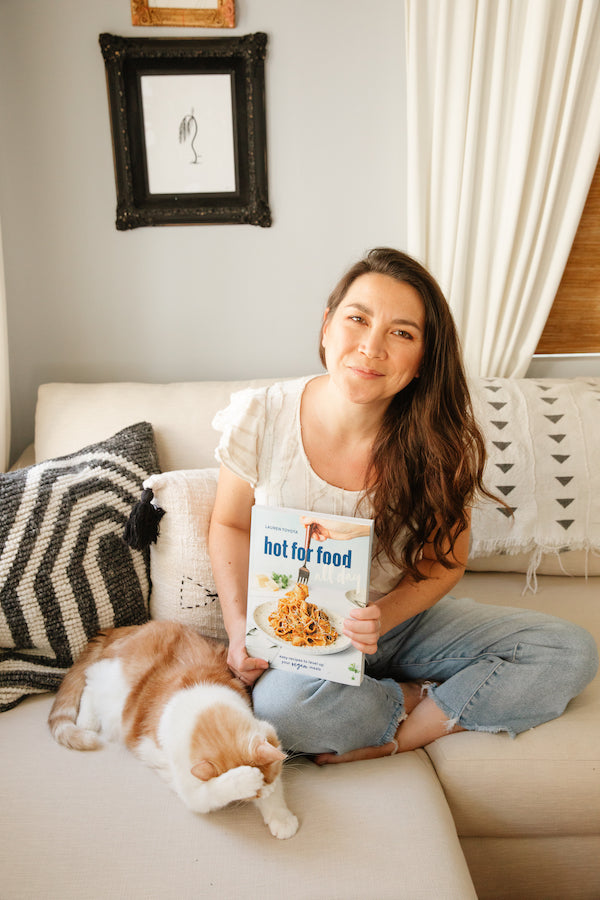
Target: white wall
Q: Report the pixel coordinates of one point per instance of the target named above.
(89, 303)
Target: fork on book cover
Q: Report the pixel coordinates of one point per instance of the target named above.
(303, 572)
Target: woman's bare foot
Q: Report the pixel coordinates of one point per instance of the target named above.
(323, 759)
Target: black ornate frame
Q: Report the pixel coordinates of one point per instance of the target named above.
(126, 60)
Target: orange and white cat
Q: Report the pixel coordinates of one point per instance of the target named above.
(166, 693)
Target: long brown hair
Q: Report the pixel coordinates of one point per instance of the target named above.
(429, 454)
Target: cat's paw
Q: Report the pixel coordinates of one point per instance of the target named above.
(242, 783)
(277, 817)
(77, 738)
(283, 825)
(249, 781)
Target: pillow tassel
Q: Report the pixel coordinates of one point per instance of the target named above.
(142, 527)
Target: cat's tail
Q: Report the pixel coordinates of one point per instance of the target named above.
(65, 709)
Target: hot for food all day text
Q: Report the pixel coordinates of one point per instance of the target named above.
(285, 550)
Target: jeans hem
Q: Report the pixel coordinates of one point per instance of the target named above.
(457, 719)
(399, 714)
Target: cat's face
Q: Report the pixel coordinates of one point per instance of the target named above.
(261, 754)
(231, 760)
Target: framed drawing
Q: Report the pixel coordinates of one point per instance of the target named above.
(192, 13)
(188, 128)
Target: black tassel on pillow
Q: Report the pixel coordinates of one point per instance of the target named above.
(143, 525)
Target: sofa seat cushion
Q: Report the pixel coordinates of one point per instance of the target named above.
(541, 782)
(535, 868)
(102, 824)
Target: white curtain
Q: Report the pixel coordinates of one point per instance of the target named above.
(4, 377)
(503, 138)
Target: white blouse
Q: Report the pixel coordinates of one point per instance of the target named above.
(261, 442)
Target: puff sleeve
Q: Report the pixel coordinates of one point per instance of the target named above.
(242, 426)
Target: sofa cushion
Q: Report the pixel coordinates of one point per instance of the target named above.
(539, 782)
(65, 571)
(183, 589)
(542, 437)
(535, 868)
(68, 416)
(102, 825)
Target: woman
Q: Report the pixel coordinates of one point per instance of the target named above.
(388, 432)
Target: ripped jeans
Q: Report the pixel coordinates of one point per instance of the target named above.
(496, 669)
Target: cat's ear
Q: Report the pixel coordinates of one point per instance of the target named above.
(265, 753)
(204, 770)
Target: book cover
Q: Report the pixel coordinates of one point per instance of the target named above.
(306, 572)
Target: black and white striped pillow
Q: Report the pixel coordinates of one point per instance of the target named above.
(65, 570)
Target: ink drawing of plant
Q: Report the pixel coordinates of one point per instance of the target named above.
(188, 130)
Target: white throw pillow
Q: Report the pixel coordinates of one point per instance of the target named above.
(183, 589)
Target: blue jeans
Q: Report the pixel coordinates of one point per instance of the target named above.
(496, 669)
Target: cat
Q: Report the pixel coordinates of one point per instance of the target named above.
(167, 693)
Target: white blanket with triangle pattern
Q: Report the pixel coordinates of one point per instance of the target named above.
(543, 440)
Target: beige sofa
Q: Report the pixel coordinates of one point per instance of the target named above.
(470, 815)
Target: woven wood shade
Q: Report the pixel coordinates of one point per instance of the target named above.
(573, 325)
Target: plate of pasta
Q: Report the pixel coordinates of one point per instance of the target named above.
(293, 621)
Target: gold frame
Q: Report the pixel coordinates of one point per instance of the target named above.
(222, 17)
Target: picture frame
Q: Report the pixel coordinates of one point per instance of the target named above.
(211, 14)
(188, 127)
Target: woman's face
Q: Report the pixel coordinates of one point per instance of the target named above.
(375, 340)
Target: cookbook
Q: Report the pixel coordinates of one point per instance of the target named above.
(307, 571)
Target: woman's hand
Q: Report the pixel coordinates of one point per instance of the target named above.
(246, 668)
(363, 627)
(324, 529)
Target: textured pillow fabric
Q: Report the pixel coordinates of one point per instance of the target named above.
(65, 571)
(542, 438)
(182, 583)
